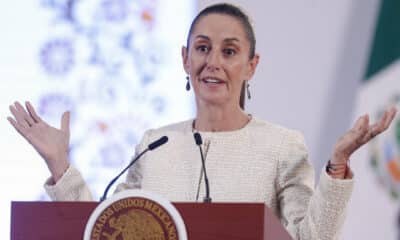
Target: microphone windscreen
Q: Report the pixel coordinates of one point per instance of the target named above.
(197, 138)
(158, 143)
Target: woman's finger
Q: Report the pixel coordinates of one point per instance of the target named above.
(24, 114)
(390, 116)
(65, 122)
(18, 117)
(21, 129)
(354, 138)
(360, 128)
(359, 123)
(383, 124)
(32, 112)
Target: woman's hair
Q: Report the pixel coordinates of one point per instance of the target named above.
(237, 13)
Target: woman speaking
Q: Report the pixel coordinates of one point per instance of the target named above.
(248, 159)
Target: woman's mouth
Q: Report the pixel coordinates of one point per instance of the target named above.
(212, 81)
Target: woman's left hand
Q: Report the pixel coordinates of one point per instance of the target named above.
(359, 135)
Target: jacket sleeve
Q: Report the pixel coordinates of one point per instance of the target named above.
(70, 187)
(309, 214)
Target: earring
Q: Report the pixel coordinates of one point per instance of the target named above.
(187, 84)
(248, 90)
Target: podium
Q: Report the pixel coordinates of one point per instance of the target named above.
(204, 221)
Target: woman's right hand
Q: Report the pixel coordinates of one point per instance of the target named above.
(51, 143)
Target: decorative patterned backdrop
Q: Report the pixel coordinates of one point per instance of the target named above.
(115, 64)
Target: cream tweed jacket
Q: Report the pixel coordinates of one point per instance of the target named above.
(260, 162)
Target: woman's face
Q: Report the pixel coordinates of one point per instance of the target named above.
(217, 60)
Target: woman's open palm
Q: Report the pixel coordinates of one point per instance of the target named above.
(361, 133)
(51, 143)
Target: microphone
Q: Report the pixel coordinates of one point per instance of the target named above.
(150, 147)
(158, 143)
(199, 141)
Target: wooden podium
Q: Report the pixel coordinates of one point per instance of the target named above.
(204, 221)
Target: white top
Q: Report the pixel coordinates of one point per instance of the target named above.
(261, 162)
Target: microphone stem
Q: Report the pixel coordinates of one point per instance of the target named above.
(207, 198)
(123, 171)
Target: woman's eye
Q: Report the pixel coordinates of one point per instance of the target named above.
(229, 51)
(202, 48)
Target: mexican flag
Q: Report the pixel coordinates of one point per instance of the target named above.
(374, 210)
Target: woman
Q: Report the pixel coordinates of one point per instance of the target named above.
(247, 159)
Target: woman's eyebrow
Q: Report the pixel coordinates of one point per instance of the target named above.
(229, 40)
(203, 37)
(233, 39)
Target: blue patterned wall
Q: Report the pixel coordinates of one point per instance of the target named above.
(115, 64)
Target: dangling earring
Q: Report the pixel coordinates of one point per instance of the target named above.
(187, 84)
(248, 90)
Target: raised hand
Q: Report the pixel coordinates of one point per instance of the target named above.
(360, 134)
(51, 143)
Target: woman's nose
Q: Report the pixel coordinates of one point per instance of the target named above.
(213, 61)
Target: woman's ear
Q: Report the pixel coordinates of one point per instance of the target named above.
(252, 66)
(185, 60)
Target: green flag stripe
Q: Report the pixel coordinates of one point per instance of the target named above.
(386, 44)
